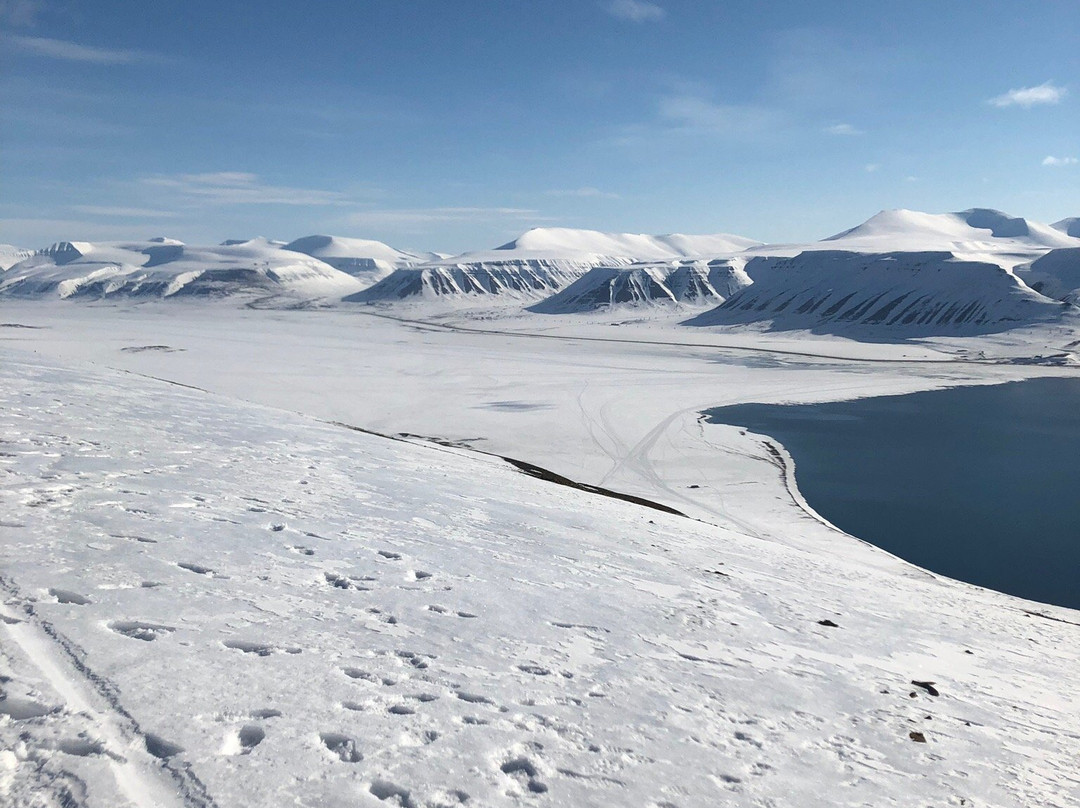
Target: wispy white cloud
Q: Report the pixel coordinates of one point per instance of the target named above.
(73, 51)
(20, 13)
(872, 167)
(241, 188)
(635, 11)
(845, 129)
(696, 114)
(1046, 93)
(122, 212)
(584, 192)
(1059, 162)
(420, 216)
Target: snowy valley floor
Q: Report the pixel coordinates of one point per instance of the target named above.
(219, 596)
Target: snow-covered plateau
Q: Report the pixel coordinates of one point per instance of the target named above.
(266, 547)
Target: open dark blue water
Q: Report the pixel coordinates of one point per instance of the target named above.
(977, 483)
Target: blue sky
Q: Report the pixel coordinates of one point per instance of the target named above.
(456, 125)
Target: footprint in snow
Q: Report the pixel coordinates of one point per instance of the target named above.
(243, 740)
(137, 630)
(64, 596)
(342, 746)
(198, 569)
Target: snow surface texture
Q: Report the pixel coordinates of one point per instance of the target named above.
(692, 283)
(211, 603)
(169, 268)
(904, 293)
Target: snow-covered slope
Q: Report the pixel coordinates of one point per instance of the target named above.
(543, 261)
(1070, 226)
(370, 261)
(691, 283)
(10, 255)
(887, 295)
(210, 603)
(1056, 275)
(169, 268)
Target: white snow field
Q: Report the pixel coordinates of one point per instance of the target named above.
(217, 593)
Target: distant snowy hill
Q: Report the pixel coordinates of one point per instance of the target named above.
(568, 242)
(896, 294)
(1070, 226)
(543, 261)
(169, 268)
(978, 234)
(370, 261)
(691, 283)
(9, 255)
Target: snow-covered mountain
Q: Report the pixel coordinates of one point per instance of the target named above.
(10, 255)
(367, 260)
(1056, 275)
(691, 283)
(168, 268)
(897, 293)
(542, 261)
(977, 230)
(568, 242)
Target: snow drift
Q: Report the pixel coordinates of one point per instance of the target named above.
(897, 294)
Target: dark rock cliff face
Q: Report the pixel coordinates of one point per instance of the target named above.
(530, 279)
(690, 283)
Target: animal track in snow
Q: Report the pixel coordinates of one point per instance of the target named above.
(341, 745)
(138, 630)
(390, 556)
